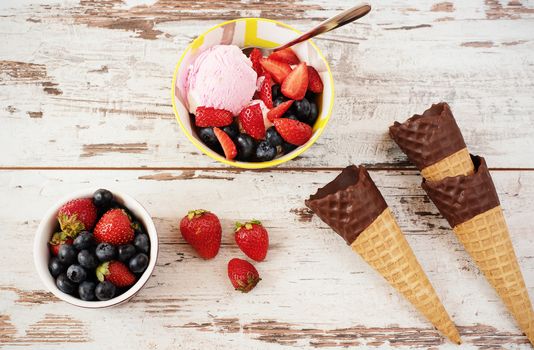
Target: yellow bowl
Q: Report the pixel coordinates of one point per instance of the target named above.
(257, 32)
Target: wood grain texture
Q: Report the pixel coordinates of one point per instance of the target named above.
(100, 72)
(189, 303)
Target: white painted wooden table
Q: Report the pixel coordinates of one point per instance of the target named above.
(85, 101)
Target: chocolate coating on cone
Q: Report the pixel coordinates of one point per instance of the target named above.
(426, 139)
(349, 203)
(460, 198)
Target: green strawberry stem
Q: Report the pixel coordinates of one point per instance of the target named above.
(70, 225)
(196, 213)
(247, 225)
(102, 271)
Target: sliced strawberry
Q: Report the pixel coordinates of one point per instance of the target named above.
(285, 55)
(255, 57)
(279, 110)
(228, 146)
(278, 70)
(209, 116)
(266, 92)
(251, 120)
(296, 83)
(315, 84)
(293, 131)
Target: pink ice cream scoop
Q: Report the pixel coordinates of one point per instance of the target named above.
(221, 77)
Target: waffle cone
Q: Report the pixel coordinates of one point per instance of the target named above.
(458, 163)
(383, 246)
(486, 238)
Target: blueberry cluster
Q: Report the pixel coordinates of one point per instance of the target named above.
(74, 267)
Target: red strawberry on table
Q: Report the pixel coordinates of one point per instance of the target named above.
(279, 110)
(77, 215)
(57, 240)
(243, 275)
(228, 146)
(209, 116)
(315, 84)
(292, 131)
(296, 83)
(251, 119)
(266, 92)
(115, 272)
(202, 229)
(253, 239)
(285, 55)
(255, 56)
(278, 70)
(114, 227)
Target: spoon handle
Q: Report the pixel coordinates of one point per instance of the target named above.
(337, 21)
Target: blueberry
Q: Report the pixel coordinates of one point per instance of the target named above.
(245, 147)
(125, 252)
(208, 137)
(138, 228)
(265, 151)
(67, 254)
(310, 95)
(302, 109)
(232, 130)
(279, 100)
(84, 240)
(105, 290)
(86, 290)
(273, 137)
(287, 147)
(290, 116)
(102, 198)
(87, 259)
(105, 252)
(76, 273)
(138, 263)
(276, 91)
(142, 243)
(55, 267)
(64, 284)
(314, 112)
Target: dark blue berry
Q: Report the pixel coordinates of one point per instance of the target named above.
(67, 254)
(310, 95)
(125, 252)
(142, 243)
(232, 130)
(265, 151)
(85, 240)
(102, 198)
(105, 252)
(302, 109)
(287, 147)
(290, 116)
(105, 290)
(55, 266)
(245, 147)
(64, 284)
(87, 259)
(273, 137)
(279, 100)
(76, 273)
(208, 137)
(138, 263)
(86, 290)
(138, 227)
(276, 90)
(314, 112)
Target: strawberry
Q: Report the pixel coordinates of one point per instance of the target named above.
(228, 146)
(77, 215)
(251, 119)
(255, 56)
(292, 131)
(202, 230)
(114, 227)
(285, 55)
(209, 116)
(57, 240)
(266, 92)
(278, 70)
(115, 272)
(279, 110)
(296, 83)
(253, 239)
(315, 84)
(243, 275)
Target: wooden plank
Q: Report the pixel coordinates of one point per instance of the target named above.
(315, 292)
(100, 73)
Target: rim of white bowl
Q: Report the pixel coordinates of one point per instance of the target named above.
(41, 252)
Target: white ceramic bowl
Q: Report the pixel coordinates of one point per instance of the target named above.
(49, 225)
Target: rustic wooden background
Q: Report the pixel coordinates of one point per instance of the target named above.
(85, 101)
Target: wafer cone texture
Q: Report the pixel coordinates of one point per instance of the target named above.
(458, 163)
(383, 246)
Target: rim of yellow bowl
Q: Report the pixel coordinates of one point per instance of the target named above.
(252, 165)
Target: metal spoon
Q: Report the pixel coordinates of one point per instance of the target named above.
(332, 23)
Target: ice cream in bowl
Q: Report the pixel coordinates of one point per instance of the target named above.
(250, 110)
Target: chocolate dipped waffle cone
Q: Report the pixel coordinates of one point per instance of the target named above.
(354, 208)
(471, 206)
(433, 142)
